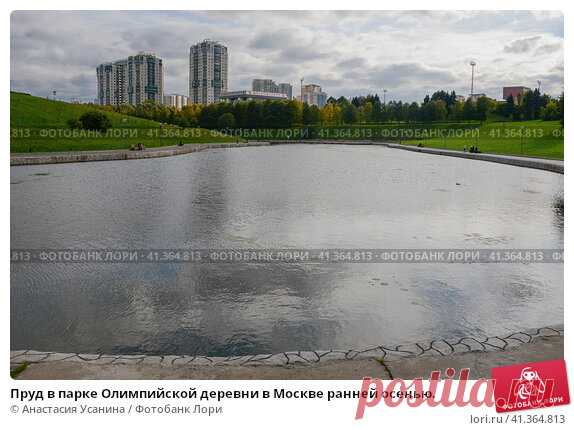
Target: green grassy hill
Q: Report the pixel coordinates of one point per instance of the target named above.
(40, 125)
(543, 139)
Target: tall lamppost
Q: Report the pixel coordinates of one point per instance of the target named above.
(472, 64)
(384, 96)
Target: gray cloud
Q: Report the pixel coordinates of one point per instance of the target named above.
(352, 63)
(301, 54)
(521, 46)
(399, 74)
(401, 77)
(286, 47)
(272, 40)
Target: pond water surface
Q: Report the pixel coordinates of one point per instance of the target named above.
(303, 196)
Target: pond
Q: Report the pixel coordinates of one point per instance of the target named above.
(299, 196)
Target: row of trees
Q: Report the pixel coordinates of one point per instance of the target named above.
(533, 105)
(440, 106)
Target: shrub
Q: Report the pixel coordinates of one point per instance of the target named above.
(94, 120)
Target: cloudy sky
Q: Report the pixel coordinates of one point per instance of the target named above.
(347, 53)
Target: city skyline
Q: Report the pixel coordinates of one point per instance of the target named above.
(511, 49)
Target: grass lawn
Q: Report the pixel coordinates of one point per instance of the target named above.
(544, 139)
(40, 125)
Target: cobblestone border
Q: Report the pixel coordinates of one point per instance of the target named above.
(438, 347)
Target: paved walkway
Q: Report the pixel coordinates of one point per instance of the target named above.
(556, 166)
(402, 361)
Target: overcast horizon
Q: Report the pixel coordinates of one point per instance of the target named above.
(348, 53)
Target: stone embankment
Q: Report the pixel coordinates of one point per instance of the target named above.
(23, 159)
(479, 354)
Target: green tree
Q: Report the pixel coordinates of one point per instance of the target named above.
(311, 114)
(208, 116)
(532, 103)
(551, 112)
(367, 111)
(509, 107)
(240, 114)
(413, 112)
(227, 120)
(254, 114)
(439, 111)
(482, 108)
(458, 111)
(469, 110)
(448, 98)
(291, 113)
(349, 114)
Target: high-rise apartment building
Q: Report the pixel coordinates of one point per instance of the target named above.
(313, 95)
(131, 81)
(207, 72)
(112, 83)
(145, 79)
(106, 86)
(269, 86)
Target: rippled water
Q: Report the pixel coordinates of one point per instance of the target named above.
(302, 196)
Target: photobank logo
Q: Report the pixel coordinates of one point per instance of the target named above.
(530, 386)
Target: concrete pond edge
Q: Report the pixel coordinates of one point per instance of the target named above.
(23, 159)
(433, 348)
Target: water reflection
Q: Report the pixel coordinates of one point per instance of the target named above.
(303, 196)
